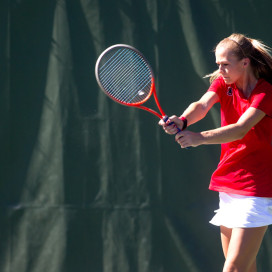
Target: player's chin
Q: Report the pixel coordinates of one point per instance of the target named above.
(228, 80)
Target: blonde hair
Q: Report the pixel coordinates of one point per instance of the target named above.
(245, 47)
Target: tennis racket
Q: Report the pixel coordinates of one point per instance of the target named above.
(124, 74)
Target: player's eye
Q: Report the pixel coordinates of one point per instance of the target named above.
(222, 64)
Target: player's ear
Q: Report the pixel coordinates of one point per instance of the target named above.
(246, 62)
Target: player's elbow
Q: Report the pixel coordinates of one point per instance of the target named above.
(200, 108)
(241, 131)
(240, 135)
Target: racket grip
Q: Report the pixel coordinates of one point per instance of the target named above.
(179, 130)
(165, 118)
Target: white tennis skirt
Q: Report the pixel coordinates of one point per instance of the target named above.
(238, 211)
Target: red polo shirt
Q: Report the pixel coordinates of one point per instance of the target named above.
(245, 166)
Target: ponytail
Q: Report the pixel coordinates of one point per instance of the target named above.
(261, 60)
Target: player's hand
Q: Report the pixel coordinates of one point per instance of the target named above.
(188, 138)
(171, 125)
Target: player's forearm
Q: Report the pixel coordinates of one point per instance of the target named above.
(222, 135)
(195, 112)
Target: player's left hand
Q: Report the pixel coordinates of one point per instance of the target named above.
(188, 138)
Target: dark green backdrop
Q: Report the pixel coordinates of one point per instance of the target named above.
(89, 185)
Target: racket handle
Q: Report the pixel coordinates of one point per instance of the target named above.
(165, 118)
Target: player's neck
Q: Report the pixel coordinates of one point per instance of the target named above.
(247, 84)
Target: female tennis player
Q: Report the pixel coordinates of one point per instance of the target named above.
(243, 178)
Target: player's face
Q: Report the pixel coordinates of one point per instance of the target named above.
(229, 66)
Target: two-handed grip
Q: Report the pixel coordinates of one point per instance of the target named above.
(165, 118)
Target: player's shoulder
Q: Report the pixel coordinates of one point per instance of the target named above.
(264, 86)
(263, 82)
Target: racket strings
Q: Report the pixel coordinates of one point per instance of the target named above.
(126, 76)
(123, 84)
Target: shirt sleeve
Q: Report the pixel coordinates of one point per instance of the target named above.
(262, 100)
(217, 86)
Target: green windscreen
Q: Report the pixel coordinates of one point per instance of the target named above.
(89, 185)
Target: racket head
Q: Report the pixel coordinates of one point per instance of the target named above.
(124, 74)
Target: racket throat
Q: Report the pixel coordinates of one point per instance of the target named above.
(149, 110)
(164, 117)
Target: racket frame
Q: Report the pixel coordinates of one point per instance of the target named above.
(152, 88)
